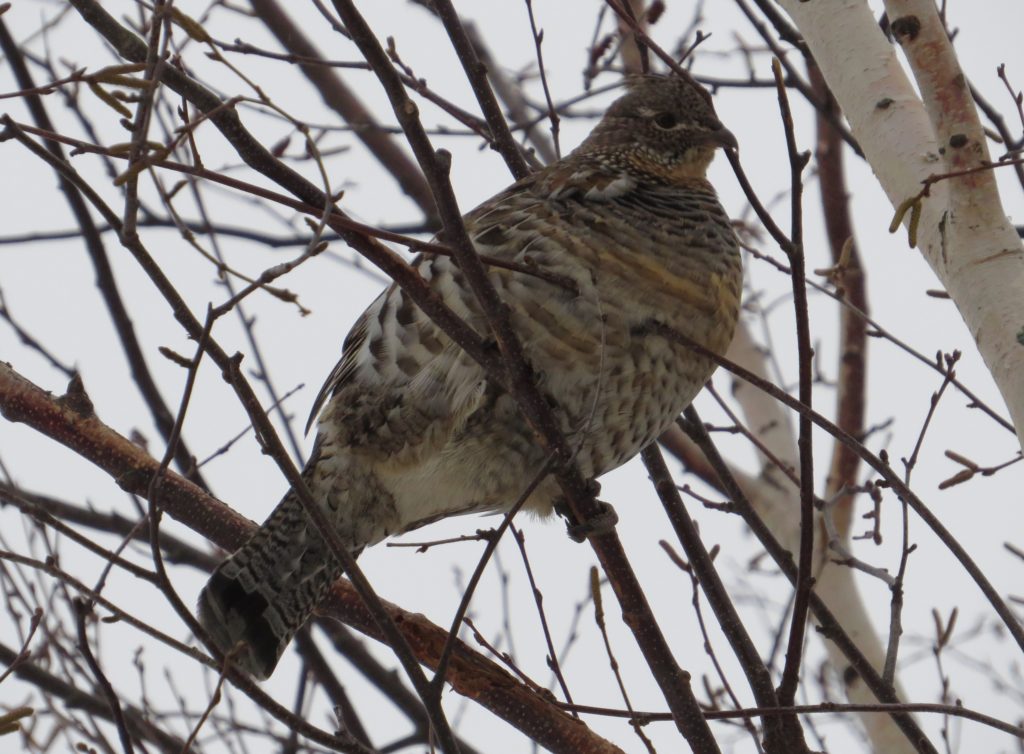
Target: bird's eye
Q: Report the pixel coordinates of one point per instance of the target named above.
(666, 121)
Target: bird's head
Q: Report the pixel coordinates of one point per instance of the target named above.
(663, 126)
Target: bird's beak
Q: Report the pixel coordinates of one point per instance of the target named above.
(723, 137)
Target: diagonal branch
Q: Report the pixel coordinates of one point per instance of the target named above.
(132, 468)
(105, 281)
(343, 100)
(829, 627)
(476, 72)
(782, 734)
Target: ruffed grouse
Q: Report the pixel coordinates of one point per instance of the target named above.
(410, 429)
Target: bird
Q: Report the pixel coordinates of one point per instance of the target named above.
(624, 230)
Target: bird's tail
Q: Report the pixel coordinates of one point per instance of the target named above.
(259, 597)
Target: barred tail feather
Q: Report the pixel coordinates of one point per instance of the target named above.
(259, 597)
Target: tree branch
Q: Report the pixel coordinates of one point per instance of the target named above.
(132, 468)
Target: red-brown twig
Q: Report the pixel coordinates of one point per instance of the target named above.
(469, 673)
(805, 578)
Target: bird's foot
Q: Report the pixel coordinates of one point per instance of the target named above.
(602, 522)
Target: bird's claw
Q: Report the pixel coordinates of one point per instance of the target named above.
(602, 522)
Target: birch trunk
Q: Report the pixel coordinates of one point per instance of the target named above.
(963, 231)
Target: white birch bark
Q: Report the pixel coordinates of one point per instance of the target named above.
(766, 418)
(773, 494)
(776, 500)
(963, 232)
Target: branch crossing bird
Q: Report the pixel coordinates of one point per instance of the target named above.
(411, 430)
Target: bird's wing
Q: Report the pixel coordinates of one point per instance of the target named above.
(346, 365)
(399, 371)
(399, 374)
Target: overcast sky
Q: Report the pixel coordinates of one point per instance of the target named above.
(49, 288)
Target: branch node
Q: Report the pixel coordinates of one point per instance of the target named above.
(76, 399)
(906, 29)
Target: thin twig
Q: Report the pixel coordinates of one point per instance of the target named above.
(782, 734)
(878, 463)
(538, 599)
(829, 625)
(476, 73)
(138, 722)
(825, 708)
(805, 577)
(106, 282)
(613, 663)
(709, 649)
(337, 95)
(538, 38)
(83, 608)
(437, 684)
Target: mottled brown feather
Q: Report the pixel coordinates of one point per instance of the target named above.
(410, 429)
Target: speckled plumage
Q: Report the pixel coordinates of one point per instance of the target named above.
(410, 429)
